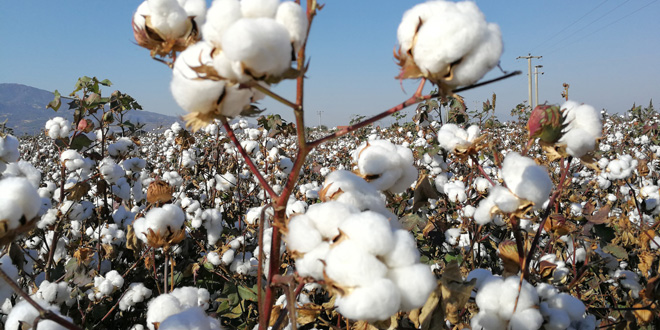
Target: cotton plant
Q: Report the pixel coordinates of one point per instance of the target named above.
(386, 166)
(526, 184)
(363, 257)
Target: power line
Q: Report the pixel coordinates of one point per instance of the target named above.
(569, 25)
(551, 47)
(605, 26)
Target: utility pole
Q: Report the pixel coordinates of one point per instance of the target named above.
(319, 113)
(529, 58)
(536, 82)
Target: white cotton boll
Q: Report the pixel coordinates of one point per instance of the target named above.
(221, 15)
(573, 306)
(346, 187)
(556, 318)
(440, 182)
(261, 45)
(311, 263)
(404, 251)
(504, 199)
(302, 236)
(629, 280)
(18, 200)
(527, 319)
(9, 149)
(25, 313)
(369, 230)
(235, 100)
(168, 18)
(294, 19)
(192, 297)
(482, 215)
(348, 264)
(482, 184)
(228, 257)
(455, 191)
(195, 9)
(415, 283)
(213, 224)
(481, 59)
(487, 321)
(328, 216)
(161, 308)
(621, 168)
(526, 179)
(161, 220)
(213, 258)
(488, 296)
(546, 291)
(377, 300)
(259, 8)
(189, 92)
(58, 128)
(526, 298)
(452, 235)
(136, 293)
(25, 170)
(583, 128)
(388, 166)
(192, 319)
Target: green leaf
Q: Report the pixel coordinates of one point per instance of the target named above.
(56, 102)
(248, 293)
(449, 258)
(79, 142)
(105, 82)
(617, 251)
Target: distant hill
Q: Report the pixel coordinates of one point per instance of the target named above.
(25, 107)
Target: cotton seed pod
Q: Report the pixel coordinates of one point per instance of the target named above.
(546, 123)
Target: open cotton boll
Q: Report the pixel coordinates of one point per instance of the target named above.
(583, 128)
(294, 19)
(346, 187)
(377, 300)
(488, 296)
(168, 18)
(480, 60)
(18, 200)
(504, 199)
(162, 220)
(221, 15)
(160, 308)
(311, 264)
(571, 305)
(191, 319)
(526, 179)
(261, 45)
(328, 216)
(350, 265)
(189, 296)
(404, 250)
(302, 234)
(450, 136)
(511, 298)
(369, 230)
(415, 283)
(58, 128)
(621, 168)
(25, 170)
(487, 321)
(25, 313)
(136, 293)
(259, 8)
(195, 9)
(386, 166)
(8, 149)
(439, 36)
(527, 319)
(483, 215)
(189, 92)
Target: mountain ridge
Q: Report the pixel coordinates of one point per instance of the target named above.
(24, 108)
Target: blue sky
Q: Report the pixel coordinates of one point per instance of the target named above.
(607, 51)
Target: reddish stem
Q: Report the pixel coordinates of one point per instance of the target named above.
(248, 160)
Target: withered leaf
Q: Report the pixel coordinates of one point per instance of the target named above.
(601, 216)
(77, 191)
(423, 192)
(510, 257)
(455, 292)
(617, 251)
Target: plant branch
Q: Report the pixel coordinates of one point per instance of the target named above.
(248, 160)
